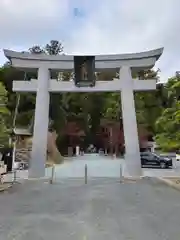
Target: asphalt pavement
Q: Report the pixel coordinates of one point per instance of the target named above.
(102, 209)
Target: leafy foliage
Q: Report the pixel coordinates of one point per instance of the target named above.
(168, 124)
(4, 113)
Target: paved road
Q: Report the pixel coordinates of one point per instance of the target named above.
(102, 209)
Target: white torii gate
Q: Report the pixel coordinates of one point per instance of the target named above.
(44, 85)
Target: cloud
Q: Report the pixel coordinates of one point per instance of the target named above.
(106, 26)
(132, 26)
(128, 25)
(25, 20)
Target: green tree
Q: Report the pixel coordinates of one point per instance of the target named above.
(4, 113)
(149, 108)
(168, 124)
(27, 101)
(148, 104)
(36, 49)
(173, 90)
(54, 48)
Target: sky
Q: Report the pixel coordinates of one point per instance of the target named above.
(95, 27)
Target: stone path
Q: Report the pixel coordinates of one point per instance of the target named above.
(101, 210)
(98, 166)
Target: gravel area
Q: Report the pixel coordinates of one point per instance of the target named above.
(102, 209)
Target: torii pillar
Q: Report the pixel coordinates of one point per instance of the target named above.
(41, 122)
(132, 152)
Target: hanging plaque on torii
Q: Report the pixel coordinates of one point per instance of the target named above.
(84, 71)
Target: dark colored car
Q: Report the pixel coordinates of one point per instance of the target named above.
(155, 160)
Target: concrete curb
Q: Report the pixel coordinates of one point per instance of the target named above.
(38, 179)
(169, 183)
(4, 188)
(135, 178)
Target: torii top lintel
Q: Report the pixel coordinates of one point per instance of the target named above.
(65, 62)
